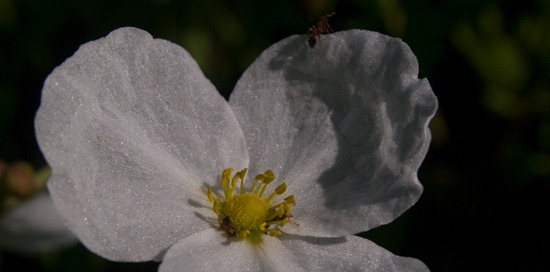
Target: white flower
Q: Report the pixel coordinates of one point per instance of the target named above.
(29, 222)
(135, 135)
(34, 226)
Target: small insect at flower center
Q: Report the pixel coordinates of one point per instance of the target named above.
(248, 212)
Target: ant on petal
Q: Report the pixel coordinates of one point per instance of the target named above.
(320, 27)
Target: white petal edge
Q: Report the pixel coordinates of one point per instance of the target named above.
(134, 134)
(350, 253)
(34, 226)
(345, 124)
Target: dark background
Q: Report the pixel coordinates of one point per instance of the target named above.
(486, 175)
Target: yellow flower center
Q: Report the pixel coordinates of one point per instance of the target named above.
(248, 213)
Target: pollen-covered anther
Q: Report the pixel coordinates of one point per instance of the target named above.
(247, 213)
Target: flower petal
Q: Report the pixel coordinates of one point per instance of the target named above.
(134, 132)
(345, 124)
(209, 251)
(350, 253)
(34, 226)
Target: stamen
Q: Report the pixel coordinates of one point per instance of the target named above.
(247, 214)
(210, 196)
(290, 200)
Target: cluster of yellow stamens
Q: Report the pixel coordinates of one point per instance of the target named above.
(249, 213)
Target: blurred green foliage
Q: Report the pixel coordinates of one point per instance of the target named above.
(486, 176)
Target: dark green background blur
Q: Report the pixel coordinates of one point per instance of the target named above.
(486, 175)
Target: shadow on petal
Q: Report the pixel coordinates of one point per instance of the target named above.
(320, 241)
(379, 110)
